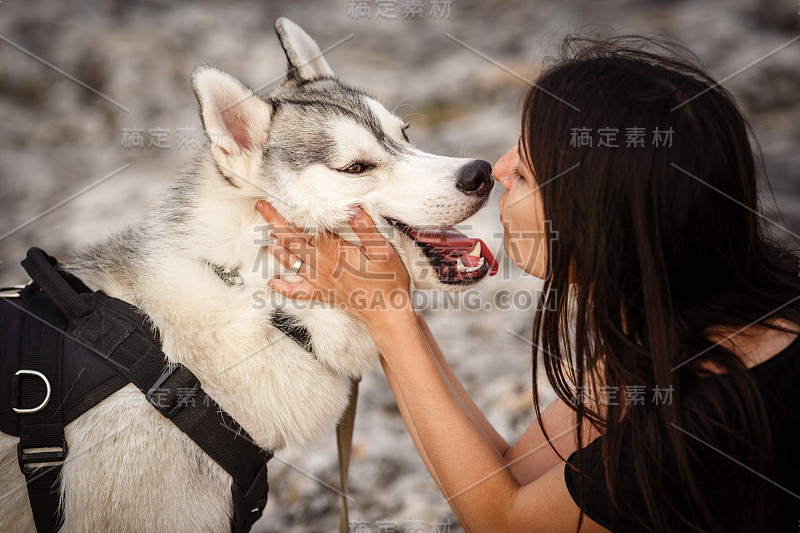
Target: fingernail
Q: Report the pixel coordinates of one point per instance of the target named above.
(357, 212)
(261, 205)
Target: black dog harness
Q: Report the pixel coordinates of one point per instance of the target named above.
(76, 348)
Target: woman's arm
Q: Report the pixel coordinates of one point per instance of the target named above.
(465, 462)
(499, 442)
(471, 473)
(531, 456)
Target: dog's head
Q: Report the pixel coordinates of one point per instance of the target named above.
(315, 148)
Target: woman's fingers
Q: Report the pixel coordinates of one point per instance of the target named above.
(373, 244)
(299, 291)
(297, 242)
(273, 218)
(333, 270)
(332, 257)
(288, 259)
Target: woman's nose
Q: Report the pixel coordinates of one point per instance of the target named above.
(499, 176)
(503, 168)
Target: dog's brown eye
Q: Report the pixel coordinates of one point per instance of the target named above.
(356, 168)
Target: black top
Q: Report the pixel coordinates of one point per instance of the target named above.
(777, 378)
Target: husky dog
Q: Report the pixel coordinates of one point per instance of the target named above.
(315, 148)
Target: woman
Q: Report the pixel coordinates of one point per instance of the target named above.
(676, 293)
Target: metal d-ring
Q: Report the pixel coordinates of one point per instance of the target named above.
(46, 397)
(12, 291)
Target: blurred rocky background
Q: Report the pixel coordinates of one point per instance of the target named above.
(64, 150)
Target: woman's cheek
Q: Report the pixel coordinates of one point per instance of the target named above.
(509, 247)
(515, 248)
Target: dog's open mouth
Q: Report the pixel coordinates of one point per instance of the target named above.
(455, 257)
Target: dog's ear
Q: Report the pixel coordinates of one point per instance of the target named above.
(305, 59)
(236, 121)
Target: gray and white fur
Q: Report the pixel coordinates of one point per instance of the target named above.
(129, 468)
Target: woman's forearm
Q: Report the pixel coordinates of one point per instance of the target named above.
(499, 442)
(465, 462)
(412, 430)
(531, 456)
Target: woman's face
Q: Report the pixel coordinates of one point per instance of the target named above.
(521, 213)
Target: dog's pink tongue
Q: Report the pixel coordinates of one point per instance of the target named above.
(449, 238)
(453, 241)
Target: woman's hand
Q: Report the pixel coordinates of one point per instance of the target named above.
(369, 281)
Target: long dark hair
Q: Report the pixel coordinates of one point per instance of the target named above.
(658, 241)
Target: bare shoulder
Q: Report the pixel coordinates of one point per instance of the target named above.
(756, 344)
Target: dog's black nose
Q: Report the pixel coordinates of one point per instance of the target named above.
(476, 178)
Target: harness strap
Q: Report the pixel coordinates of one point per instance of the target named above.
(169, 389)
(172, 389)
(42, 447)
(114, 330)
(63, 288)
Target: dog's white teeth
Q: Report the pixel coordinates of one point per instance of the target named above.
(476, 252)
(464, 269)
(476, 267)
